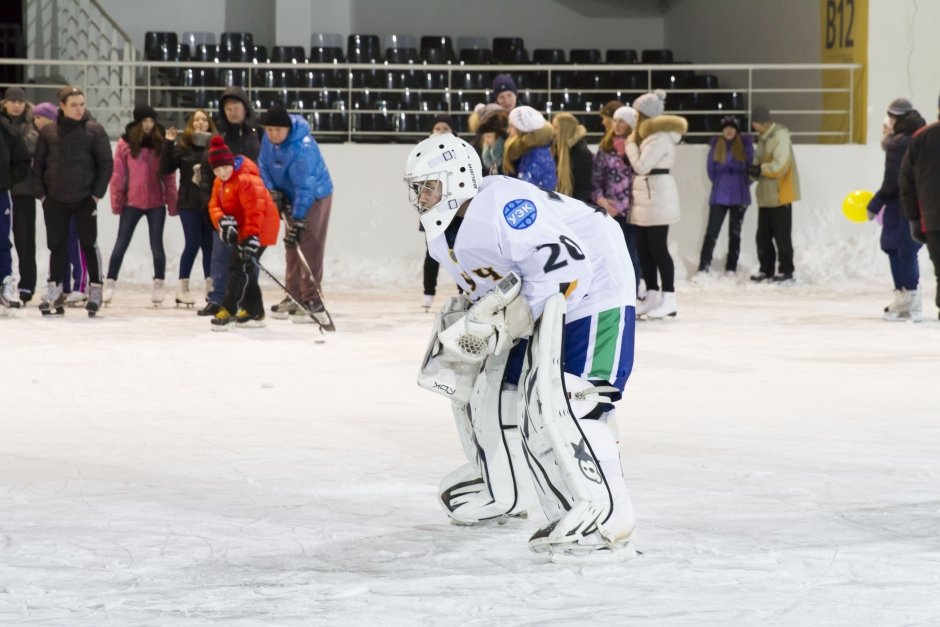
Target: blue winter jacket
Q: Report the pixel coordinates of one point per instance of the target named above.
(537, 166)
(296, 168)
(730, 184)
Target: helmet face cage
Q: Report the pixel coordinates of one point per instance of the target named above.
(418, 185)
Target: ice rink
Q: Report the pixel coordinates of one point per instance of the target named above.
(780, 444)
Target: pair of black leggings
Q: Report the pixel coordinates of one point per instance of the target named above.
(56, 215)
(654, 257)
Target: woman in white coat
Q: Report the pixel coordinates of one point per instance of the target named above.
(651, 149)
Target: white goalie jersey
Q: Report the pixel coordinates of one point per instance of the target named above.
(553, 242)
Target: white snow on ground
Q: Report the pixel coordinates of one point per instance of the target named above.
(780, 445)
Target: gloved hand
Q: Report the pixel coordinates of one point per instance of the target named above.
(228, 230)
(249, 248)
(280, 202)
(916, 233)
(753, 171)
(294, 233)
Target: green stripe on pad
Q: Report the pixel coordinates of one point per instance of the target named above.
(605, 344)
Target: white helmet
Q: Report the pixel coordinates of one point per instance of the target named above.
(454, 163)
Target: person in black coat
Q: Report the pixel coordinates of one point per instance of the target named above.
(193, 203)
(71, 170)
(896, 240)
(14, 167)
(920, 192)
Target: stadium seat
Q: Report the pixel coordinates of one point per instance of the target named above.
(444, 46)
(618, 56)
(236, 47)
(476, 56)
(586, 56)
(656, 57)
(509, 50)
(363, 49)
(158, 45)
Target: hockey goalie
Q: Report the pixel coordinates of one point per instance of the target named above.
(532, 355)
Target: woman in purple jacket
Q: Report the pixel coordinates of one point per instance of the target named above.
(728, 157)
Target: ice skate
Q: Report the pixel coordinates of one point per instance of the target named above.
(8, 294)
(183, 295)
(208, 287)
(156, 297)
(285, 309)
(209, 310)
(53, 301)
(222, 319)
(427, 302)
(667, 307)
(319, 313)
(93, 305)
(108, 292)
(76, 299)
(245, 320)
(652, 301)
(906, 306)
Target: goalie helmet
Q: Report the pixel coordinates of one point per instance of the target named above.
(453, 163)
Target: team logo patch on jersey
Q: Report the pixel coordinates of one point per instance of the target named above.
(520, 213)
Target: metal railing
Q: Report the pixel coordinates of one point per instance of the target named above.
(383, 102)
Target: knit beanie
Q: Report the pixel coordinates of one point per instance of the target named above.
(760, 114)
(626, 114)
(46, 110)
(732, 121)
(142, 112)
(14, 93)
(651, 103)
(526, 119)
(219, 153)
(900, 107)
(276, 115)
(503, 82)
(446, 119)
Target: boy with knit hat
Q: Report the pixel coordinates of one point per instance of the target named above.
(246, 218)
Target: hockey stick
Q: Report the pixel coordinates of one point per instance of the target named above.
(291, 296)
(316, 287)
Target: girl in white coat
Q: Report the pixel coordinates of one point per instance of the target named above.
(651, 150)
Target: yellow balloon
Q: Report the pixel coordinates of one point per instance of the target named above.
(855, 205)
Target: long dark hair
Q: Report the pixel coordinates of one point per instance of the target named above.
(137, 139)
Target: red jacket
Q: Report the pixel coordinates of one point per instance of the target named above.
(245, 198)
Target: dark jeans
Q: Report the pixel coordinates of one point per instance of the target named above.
(197, 233)
(933, 247)
(629, 235)
(775, 225)
(654, 257)
(431, 266)
(242, 290)
(716, 217)
(24, 239)
(905, 271)
(56, 216)
(6, 224)
(130, 216)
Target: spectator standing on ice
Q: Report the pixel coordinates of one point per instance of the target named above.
(139, 190)
(527, 155)
(71, 170)
(14, 167)
(920, 192)
(19, 112)
(573, 158)
(778, 187)
(651, 149)
(729, 156)
(193, 202)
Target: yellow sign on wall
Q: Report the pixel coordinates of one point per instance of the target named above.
(845, 40)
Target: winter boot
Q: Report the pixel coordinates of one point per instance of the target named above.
(94, 299)
(652, 300)
(156, 297)
(183, 295)
(666, 307)
(108, 292)
(284, 309)
(76, 299)
(9, 297)
(53, 301)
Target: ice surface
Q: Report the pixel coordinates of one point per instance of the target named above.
(780, 445)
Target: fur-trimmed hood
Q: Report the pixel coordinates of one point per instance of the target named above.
(673, 124)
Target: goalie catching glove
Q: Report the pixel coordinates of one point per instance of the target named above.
(492, 325)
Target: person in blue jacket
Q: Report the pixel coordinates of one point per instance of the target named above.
(293, 169)
(728, 158)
